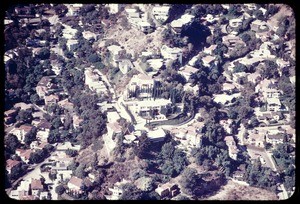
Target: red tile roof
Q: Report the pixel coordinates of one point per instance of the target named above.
(36, 184)
(11, 163)
(76, 181)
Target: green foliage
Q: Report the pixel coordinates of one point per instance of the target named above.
(25, 116)
(189, 180)
(30, 136)
(60, 189)
(172, 161)
(71, 152)
(37, 157)
(79, 172)
(11, 143)
(131, 192)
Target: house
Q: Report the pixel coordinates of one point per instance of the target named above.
(229, 88)
(117, 190)
(44, 195)
(43, 86)
(68, 32)
(210, 19)
(10, 113)
(92, 80)
(114, 8)
(88, 35)
(187, 71)
(113, 116)
(227, 125)
(167, 190)
(21, 132)
(36, 187)
(114, 129)
(184, 20)
(156, 135)
(76, 121)
(231, 41)
(66, 104)
(273, 104)
(132, 13)
(194, 89)
(240, 173)
(259, 25)
(144, 26)
(156, 64)
(171, 53)
(75, 184)
(226, 99)
(72, 44)
(150, 107)
(25, 155)
(11, 165)
(275, 139)
(56, 66)
(64, 175)
(73, 9)
(64, 146)
(115, 53)
(209, 50)
(232, 148)
(141, 82)
(125, 65)
(250, 7)
(60, 166)
(254, 77)
(208, 60)
(161, 13)
(257, 138)
(23, 189)
(236, 76)
(34, 145)
(236, 22)
(42, 135)
(51, 99)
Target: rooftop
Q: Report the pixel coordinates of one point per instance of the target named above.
(11, 163)
(76, 181)
(156, 134)
(36, 184)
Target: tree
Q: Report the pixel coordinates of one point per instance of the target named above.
(79, 172)
(131, 192)
(60, 189)
(189, 180)
(52, 175)
(30, 136)
(11, 143)
(25, 116)
(54, 136)
(93, 58)
(71, 152)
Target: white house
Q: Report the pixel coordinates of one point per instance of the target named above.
(72, 44)
(185, 19)
(21, 132)
(171, 53)
(116, 190)
(161, 12)
(92, 80)
(75, 184)
(114, 8)
(156, 135)
(113, 116)
(187, 71)
(232, 149)
(115, 52)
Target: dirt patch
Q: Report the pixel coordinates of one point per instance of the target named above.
(235, 191)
